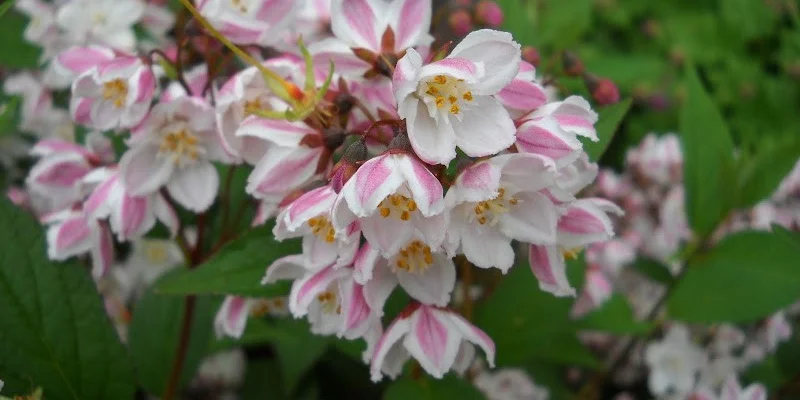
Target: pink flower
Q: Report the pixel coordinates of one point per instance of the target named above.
(777, 329)
(368, 32)
(433, 336)
(71, 233)
(658, 158)
(331, 299)
(553, 129)
(581, 223)
(499, 200)
(523, 94)
(129, 216)
(174, 147)
(101, 21)
(308, 217)
(231, 319)
(392, 196)
(57, 175)
(451, 102)
(260, 22)
(427, 274)
(596, 291)
(111, 92)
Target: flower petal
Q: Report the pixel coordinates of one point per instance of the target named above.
(548, 266)
(485, 129)
(498, 52)
(195, 187)
(432, 341)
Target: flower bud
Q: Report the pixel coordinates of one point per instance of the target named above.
(489, 13)
(355, 154)
(531, 55)
(603, 90)
(573, 66)
(460, 22)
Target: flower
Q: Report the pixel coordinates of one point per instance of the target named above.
(71, 233)
(496, 201)
(433, 336)
(392, 196)
(509, 384)
(174, 147)
(553, 129)
(129, 216)
(231, 319)
(523, 94)
(108, 22)
(259, 22)
(674, 362)
(451, 102)
(112, 91)
(732, 390)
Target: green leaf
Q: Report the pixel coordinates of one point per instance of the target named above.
(262, 376)
(615, 316)
(778, 368)
(298, 350)
(607, 125)
(563, 23)
(15, 51)
(236, 269)
(747, 18)
(762, 175)
(747, 276)
(450, 387)
(654, 270)
(519, 17)
(55, 330)
(708, 166)
(154, 335)
(9, 114)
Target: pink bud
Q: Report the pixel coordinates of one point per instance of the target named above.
(489, 13)
(531, 55)
(604, 91)
(460, 22)
(355, 154)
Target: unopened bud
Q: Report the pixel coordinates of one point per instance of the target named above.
(344, 102)
(333, 138)
(531, 55)
(400, 141)
(603, 90)
(489, 13)
(460, 22)
(573, 66)
(347, 166)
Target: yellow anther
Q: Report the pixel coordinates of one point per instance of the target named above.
(467, 96)
(488, 211)
(385, 212)
(322, 228)
(440, 79)
(116, 91)
(399, 205)
(411, 205)
(452, 99)
(454, 109)
(180, 144)
(416, 257)
(571, 254)
(440, 102)
(405, 215)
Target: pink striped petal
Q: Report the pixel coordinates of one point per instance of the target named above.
(410, 20)
(433, 341)
(80, 59)
(472, 334)
(305, 291)
(522, 95)
(543, 136)
(426, 189)
(371, 183)
(355, 310)
(386, 344)
(102, 252)
(547, 264)
(231, 318)
(355, 22)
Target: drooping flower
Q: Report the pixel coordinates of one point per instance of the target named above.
(231, 319)
(108, 22)
(496, 201)
(392, 196)
(674, 362)
(173, 148)
(433, 336)
(553, 129)
(71, 233)
(451, 102)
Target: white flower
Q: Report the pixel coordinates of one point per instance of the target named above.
(674, 362)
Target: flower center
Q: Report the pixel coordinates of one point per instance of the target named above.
(448, 93)
(414, 258)
(116, 91)
(488, 211)
(240, 5)
(260, 308)
(180, 143)
(322, 228)
(156, 253)
(571, 254)
(329, 302)
(397, 205)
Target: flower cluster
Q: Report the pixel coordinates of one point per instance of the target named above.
(390, 157)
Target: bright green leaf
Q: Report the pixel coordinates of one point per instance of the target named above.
(747, 276)
(761, 176)
(15, 51)
(55, 330)
(610, 119)
(562, 23)
(450, 387)
(236, 269)
(154, 334)
(708, 166)
(654, 270)
(747, 18)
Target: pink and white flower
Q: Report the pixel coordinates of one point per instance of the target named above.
(259, 22)
(111, 92)
(433, 336)
(392, 196)
(231, 319)
(732, 390)
(129, 216)
(582, 222)
(173, 148)
(370, 32)
(101, 21)
(499, 200)
(524, 93)
(72, 233)
(674, 362)
(308, 217)
(331, 299)
(451, 102)
(553, 129)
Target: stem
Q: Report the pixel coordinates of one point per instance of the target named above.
(364, 109)
(183, 348)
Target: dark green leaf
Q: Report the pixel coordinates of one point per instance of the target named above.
(778, 368)
(154, 335)
(761, 176)
(708, 169)
(236, 269)
(15, 51)
(298, 350)
(610, 119)
(747, 276)
(654, 270)
(450, 387)
(261, 377)
(55, 330)
(615, 316)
